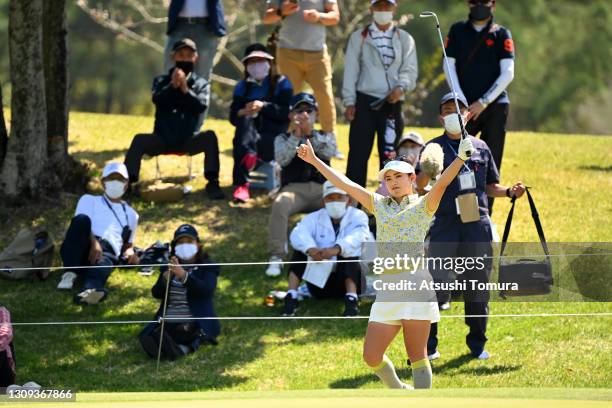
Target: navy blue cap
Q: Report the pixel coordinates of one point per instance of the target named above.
(186, 230)
(303, 97)
(185, 43)
(451, 96)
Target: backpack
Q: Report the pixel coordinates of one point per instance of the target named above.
(30, 249)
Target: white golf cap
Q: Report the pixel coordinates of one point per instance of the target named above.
(111, 168)
(329, 188)
(395, 165)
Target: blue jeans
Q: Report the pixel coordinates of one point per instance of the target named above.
(205, 40)
(75, 252)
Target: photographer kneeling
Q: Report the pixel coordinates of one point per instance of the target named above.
(190, 296)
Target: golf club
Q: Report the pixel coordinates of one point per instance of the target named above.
(427, 14)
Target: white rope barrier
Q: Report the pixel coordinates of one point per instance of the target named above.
(256, 318)
(263, 263)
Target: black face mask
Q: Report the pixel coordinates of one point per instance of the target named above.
(480, 12)
(185, 66)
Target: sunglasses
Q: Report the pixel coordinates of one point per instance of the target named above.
(403, 158)
(309, 111)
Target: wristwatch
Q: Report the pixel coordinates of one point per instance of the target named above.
(508, 193)
(483, 102)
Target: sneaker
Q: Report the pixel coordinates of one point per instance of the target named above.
(241, 193)
(90, 297)
(275, 268)
(434, 356)
(351, 306)
(12, 388)
(291, 305)
(249, 161)
(67, 281)
(484, 355)
(213, 191)
(431, 357)
(407, 386)
(31, 385)
(444, 306)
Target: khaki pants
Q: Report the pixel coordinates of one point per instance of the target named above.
(314, 67)
(292, 199)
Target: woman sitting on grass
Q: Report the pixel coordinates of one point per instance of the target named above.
(190, 295)
(404, 217)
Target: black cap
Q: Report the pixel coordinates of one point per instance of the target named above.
(185, 43)
(451, 96)
(303, 97)
(257, 50)
(186, 230)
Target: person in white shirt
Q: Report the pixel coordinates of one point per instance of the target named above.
(380, 68)
(335, 232)
(101, 235)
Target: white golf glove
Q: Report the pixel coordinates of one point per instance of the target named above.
(465, 149)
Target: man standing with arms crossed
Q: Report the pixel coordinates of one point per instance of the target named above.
(302, 52)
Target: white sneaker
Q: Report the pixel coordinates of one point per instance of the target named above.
(407, 386)
(275, 268)
(484, 355)
(90, 296)
(434, 356)
(13, 388)
(31, 386)
(67, 281)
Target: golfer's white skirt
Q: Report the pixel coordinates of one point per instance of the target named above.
(393, 312)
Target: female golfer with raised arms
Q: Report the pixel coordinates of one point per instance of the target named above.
(402, 217)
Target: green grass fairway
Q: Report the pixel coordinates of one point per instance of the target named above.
(459, 398)
(571, 180)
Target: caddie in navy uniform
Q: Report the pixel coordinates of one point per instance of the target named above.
(481, 60)
(461, 227)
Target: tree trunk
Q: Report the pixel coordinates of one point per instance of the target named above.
(56, 78)
(26, 154)
(3, 134)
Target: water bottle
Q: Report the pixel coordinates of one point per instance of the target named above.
(38, 244)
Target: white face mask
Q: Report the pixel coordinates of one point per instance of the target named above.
(114, 188)
(258, 70)
(411, 153)
(336, 209)
(383, 17)
(451, 124)
(186, 251)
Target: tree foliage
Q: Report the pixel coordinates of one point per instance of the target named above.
(563, 65)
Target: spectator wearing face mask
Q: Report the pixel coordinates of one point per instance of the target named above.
(302, 50)
(335, 232)
(260, 112)
(301, 184)
(193, 281)
(481, 60)
(380, 68)
(454, 234)
(100, 236)
(180, 96)
(407, 150)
